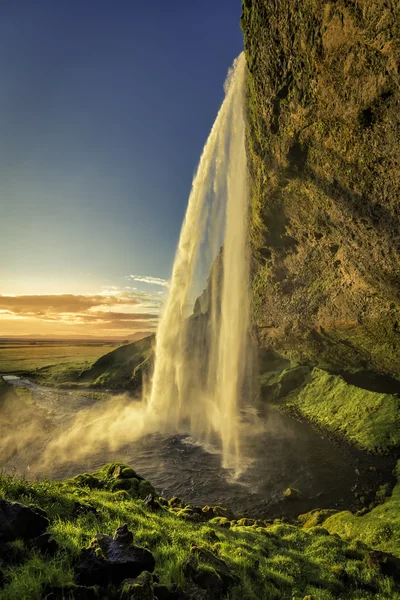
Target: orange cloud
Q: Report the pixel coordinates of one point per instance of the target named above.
(68, 314)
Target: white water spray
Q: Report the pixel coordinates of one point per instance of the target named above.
(200, 361)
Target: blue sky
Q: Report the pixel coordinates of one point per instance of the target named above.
(104, 110)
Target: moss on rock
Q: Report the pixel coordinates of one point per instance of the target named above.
(323, 116)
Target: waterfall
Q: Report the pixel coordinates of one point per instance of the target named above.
(200, 359)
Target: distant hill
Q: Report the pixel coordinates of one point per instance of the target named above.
(123, 368)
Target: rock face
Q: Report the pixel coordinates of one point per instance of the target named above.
(20, 522)
(323, 144)
(111, 560)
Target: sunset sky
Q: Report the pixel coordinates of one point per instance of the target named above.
(104, 110)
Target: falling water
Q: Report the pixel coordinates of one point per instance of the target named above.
(200, 360)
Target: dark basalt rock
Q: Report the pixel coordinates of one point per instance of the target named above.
(45, 544)
(20, 522)
(216, 580)
(111, 560)
(152, 503)
(388, 564)
(140, 588)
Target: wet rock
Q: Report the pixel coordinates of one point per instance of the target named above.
(245, 523)
(140, 588)
(292, 494)
(111, 560)
(152, 503)
(20, 522)
(45, 544)
(176, 502)
(217, 511)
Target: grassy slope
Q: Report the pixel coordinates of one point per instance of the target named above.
(379, 528)
(369, 420)
(120, 369)
(272, 560)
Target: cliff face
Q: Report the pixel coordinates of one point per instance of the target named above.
(323, 143)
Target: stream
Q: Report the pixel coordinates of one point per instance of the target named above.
(282, 453)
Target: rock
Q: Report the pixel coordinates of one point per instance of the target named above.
(20, 522)
(205, 578)
(388, 564)
(87, 480)
(123, 535)
(111, 560)
(176, 502)
(245, 523)
(208, 580)
(45, 544)
(83, 509)
(322, 145)
(292, 494)
(162, 592)
(140, 588)
(217, 511)
(151, 502)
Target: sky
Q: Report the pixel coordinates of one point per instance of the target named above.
(104, 110)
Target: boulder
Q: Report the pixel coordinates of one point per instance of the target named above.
(20, 522)
(208, 571)
(388, 564)
(45, 544)
(292, 494)
(140, 588)
(112, 559)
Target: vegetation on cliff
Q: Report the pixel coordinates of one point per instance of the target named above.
(323, 143)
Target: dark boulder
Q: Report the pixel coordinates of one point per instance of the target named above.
(151, 502)
(388, 564)
(140, 588)
(45, 544)
(111, 560)
(20, 522)
(209, 572)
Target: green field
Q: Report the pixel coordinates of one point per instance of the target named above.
(25, 358)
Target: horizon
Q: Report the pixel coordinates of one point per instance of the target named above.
(101, 140)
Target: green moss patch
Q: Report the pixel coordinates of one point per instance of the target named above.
(368, 420)
(379, 528)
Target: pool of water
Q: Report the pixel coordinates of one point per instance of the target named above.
(279, 452)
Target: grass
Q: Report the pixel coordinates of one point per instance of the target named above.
(369, 420)
(27, 358)
(271, 560)
(379, 528)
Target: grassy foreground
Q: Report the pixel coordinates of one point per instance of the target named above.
(267, 560)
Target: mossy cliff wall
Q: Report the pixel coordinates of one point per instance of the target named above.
(323, 143)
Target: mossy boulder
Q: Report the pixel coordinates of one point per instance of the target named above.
(292, 494)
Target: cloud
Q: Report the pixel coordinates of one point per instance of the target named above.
(149, 280)
(117, 312)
